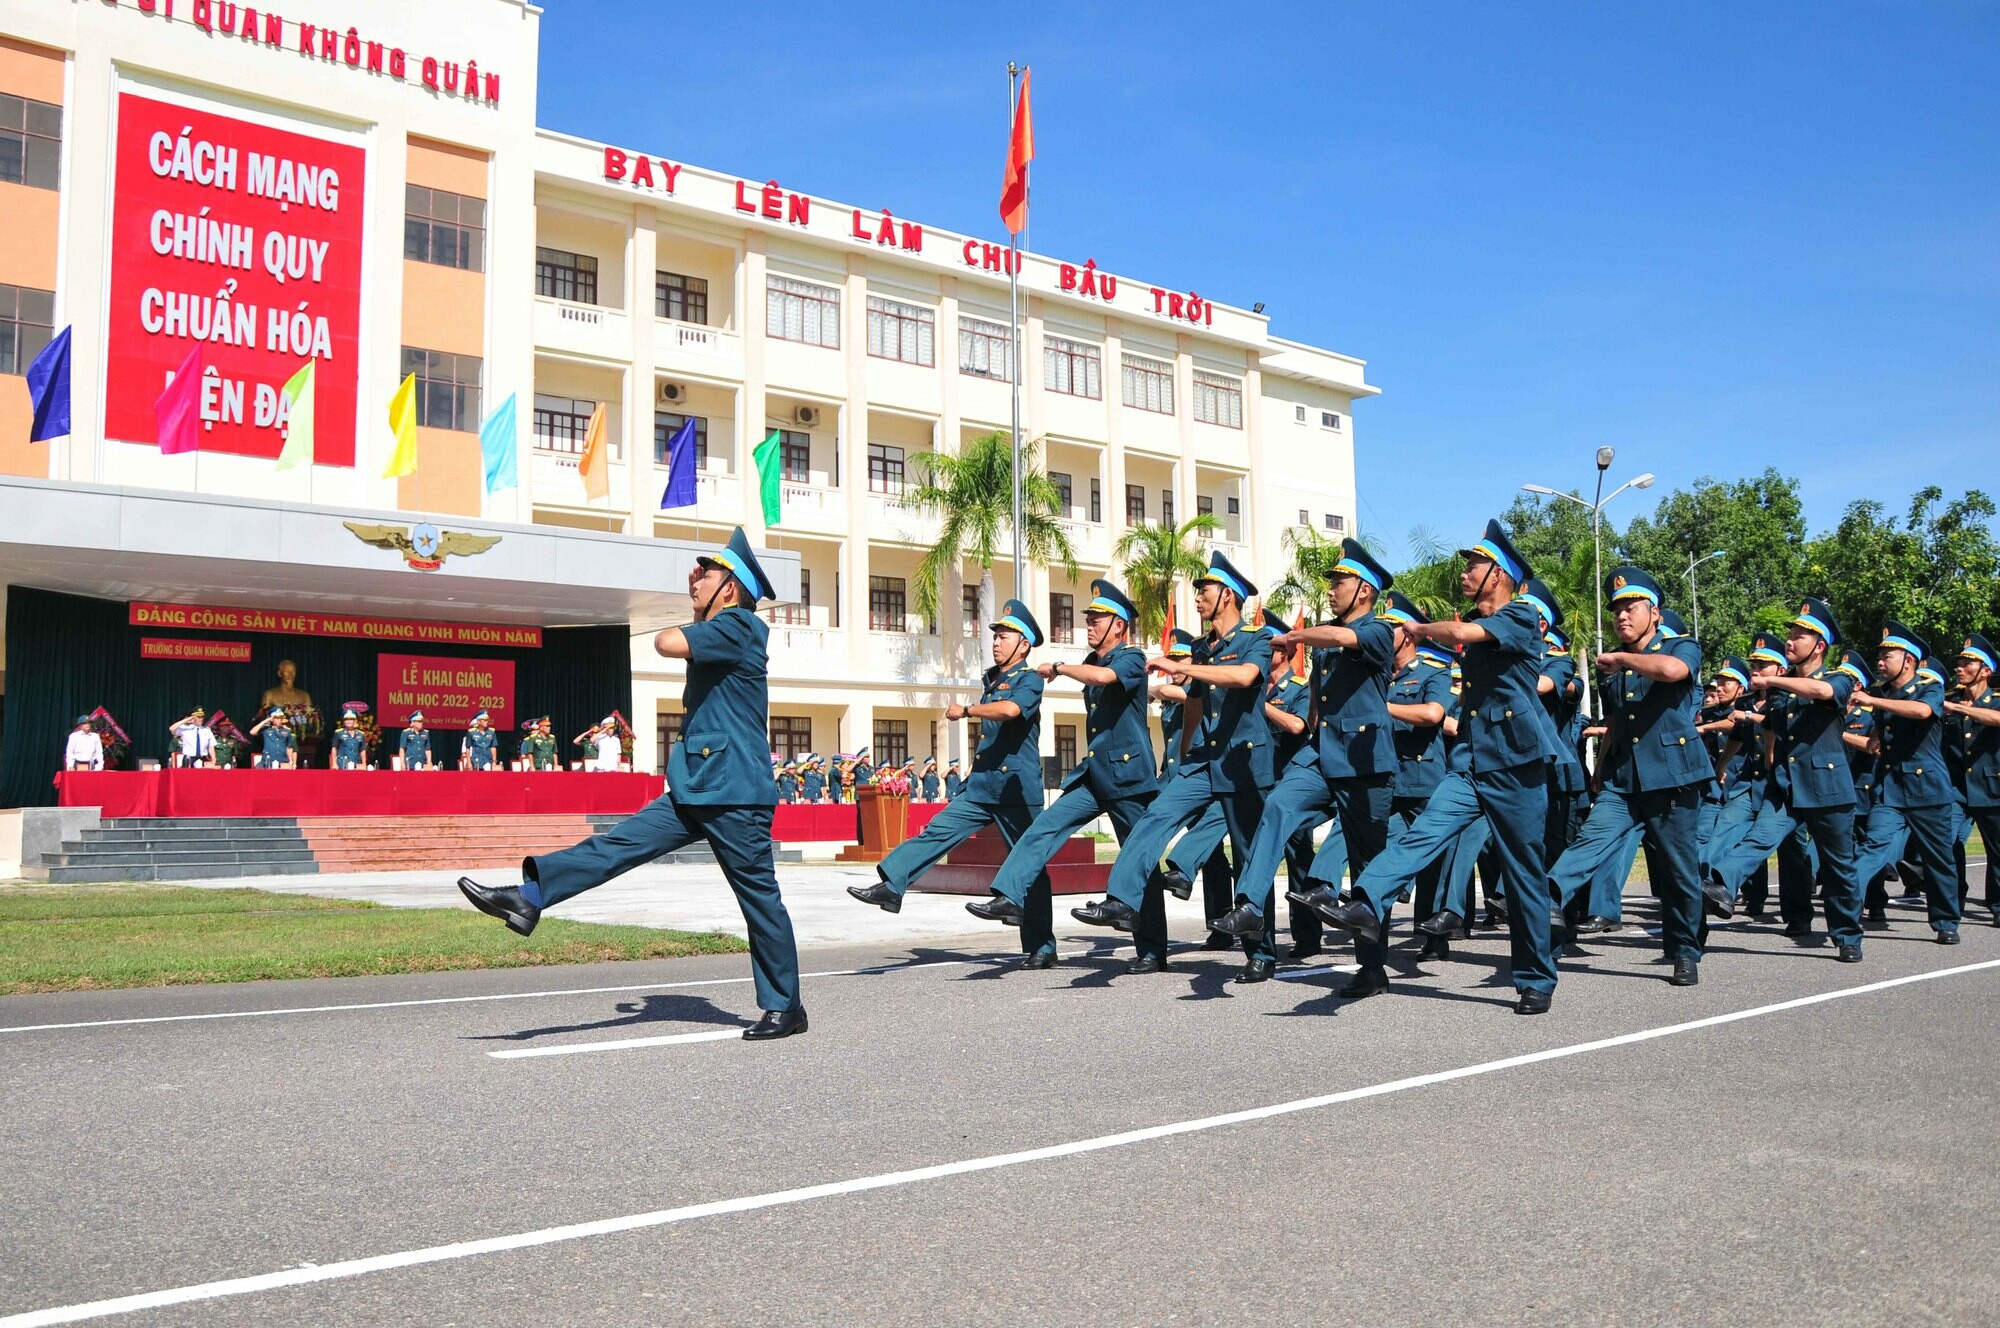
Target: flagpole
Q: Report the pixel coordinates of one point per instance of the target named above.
(1014, 334)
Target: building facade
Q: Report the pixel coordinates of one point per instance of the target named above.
(364, 185)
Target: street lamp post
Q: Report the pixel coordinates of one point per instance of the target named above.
(1645, 481)
(1694, 594)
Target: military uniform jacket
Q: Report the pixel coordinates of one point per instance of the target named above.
(1979, 748)
(1294, 698)
(1351, 702)
(1810, 759)
(1232, 739)
(350, 748)
(931, 788)
(1652, 742)
(1504, 725)
(1420, 750)
(1860, 765)
(279, 744)
(1457, 756)
(480, 745)
(1007, 765)
(812, 785)
(1118, 759)
(723, 757)
(788, 787)
(416, 748)
(1171, 714)
(953, 786)
(539, 751)
(864, 773)
(1560, 706)
(1912, 771)
(225, 750)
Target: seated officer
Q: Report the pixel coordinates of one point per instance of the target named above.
(719, 788)
(1913, 794)
(1005, 789)
(349, 744)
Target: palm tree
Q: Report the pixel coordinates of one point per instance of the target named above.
(1431, 580)
(973, 493)
(1312, 555)
(1157, 558)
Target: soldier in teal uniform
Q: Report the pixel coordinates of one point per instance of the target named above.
(812, 783)
(719, 788)
(415, 744)
(1115, 777)
(1913, 794)
(1005, 789)
(1225, 759)
(1718, 722)
(1419, 700)
(1288, 707)
(479, 749)
(1809, 787)
(1509, 747)
(1344, 769)
(788, 782)
(281, 749)
(931, 787)
(350, 744)
(1561, 692)
(864, 773)
(538, 749)
(1453, 914)
(1199, 849)
(1975, 718)
(1652, 771)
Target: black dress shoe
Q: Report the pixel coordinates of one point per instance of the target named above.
(1255, 970)
(1496, 912)
(1299, 952)
(503, 902)
(1596, 925)
(777, 1024)
(1173, 881)
(1368, 982)
(1798, 929)
(880, 895)
(1316, 901)
(1946, 937)
(996, 908)
(1356, 917)
(1217, 941)
(1532, 1002)
(1687, 973)
(1441, 923)
(1106, 912)
(1039, 959)
(1716, 901)
(1756, 910)
(1146, 964)
(1239, 921)
(1848, 954)
(1435, 947)
(1560, 933)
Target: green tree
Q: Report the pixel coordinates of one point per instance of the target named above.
(1158, 558)
(1431, 580)
(973, 494)
(1938, 570)
(1310, 556)
(1554, 535)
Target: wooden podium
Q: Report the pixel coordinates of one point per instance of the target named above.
(885, 823)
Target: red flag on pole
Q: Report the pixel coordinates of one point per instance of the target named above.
(1299, 656)
(1167, 633)
(1020, 151)
(178, 410)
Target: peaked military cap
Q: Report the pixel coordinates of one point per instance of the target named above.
(1557, 641)
(1673, 623)
(1497, 548)
(1396, 607)
(1014, 614)
(1183, 644)
(81, 720)
(1895, 636)
(1852, 664)
(1224, 573)
(1537, 593)
(1817, 615)
(1439, 656)
(1931, 670)
(1979, 648)
(1735, 669)
(1629, 582)
(1107, 598)
(349, 714)
(1766, 648)
(1357, 561)
(736, 559)
(482, 715)
(416, 717)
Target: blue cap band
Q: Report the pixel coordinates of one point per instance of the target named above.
(1548, 613)
(1900, 643)
(1506, 564)
(1974, 652)
(728, 559)
(1106, 606)
(1554, 643)
(1630, 591)
(1216, 574)
(1015, 624)
(1353, 568)
(1396, 615)
(1732, 673)
(1808, 620)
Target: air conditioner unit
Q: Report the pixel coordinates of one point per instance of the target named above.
(672, 393)
(808, 415)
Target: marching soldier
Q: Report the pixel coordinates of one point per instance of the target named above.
(538, 749)
(1975, 716)
(1449, 917)
(480, 746)
(1225, 758)
(1717, 722)
(1420, 699)
(1198, 851)
(1114, 779)
(194, 741)
(349, 744)
(719, 788)
(281, 749)
(415, 744)
(1561, 692)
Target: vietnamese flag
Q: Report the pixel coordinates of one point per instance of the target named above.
(1299, 658)
(1020, 151)
(1167, 633)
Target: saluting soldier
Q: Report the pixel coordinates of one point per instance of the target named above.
(788, 782)
(479, 749)
(194, 741)
(415, 744)
(1225, 758)
(349, 745)
(864, 773)
(719, 788)
(1005, 789)
(281, 749)
(538, 749)
(1115, 777)
(1975, 714)
(1913, 794)
(1509, 748)
(812, 783)
(931, 787)
(954, 783)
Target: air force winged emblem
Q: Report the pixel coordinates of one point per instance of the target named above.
(424, 547)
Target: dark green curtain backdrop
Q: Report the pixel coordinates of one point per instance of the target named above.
(68, 654)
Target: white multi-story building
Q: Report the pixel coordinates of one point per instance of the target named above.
(492, 258)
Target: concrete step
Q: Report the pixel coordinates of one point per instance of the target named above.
(195, 822)
(170, 857)
(202, 872)
(220, 834)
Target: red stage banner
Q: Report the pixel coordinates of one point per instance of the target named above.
(219, 652)
(449, 691)
(400, 631)
(245, 239)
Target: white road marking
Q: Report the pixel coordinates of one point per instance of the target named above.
(291, 1277)
(623, 1044)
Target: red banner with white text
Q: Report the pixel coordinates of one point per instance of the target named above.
(449, 691)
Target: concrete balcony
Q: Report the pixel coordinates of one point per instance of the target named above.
(690, 348)
(587, 331)
(813, 508)
(1090, 539)
(817, 653)
(906, 655)
(892, 519)
(719, 496)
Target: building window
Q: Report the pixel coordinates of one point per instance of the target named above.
(1334, 522)
(666, 424)
(886, 605)
(968, 598)
(444, 228)
(791, 735)
(1062, 617)
(1071, 368)
(1167, 507)
(795, 456)
(27, 322)
(898, 331)
(1204, 505)
(1061, 481)
(668, 732)
(447, 388)
(1135, 505)
(1233, 506)
(683, 299)
(802, 311)
(561, 275)
(985, 349)
(1096, 499)
(799, 614)
(1298, 414)
(30, 142)
(561, 422)
(1149, 384)
(1330, 419)
(1305, 517)
(892, 742)
(885, 468)
(1218, 399)
(1066, 745)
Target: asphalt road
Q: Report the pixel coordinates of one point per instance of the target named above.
(1642, 1155)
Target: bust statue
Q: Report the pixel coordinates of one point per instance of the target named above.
(287, 692)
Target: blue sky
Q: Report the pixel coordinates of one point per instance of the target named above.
(1716, 237)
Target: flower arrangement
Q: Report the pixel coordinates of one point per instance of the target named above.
(306, 721)
(365, 721)
(116, 745)
(895, 784)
